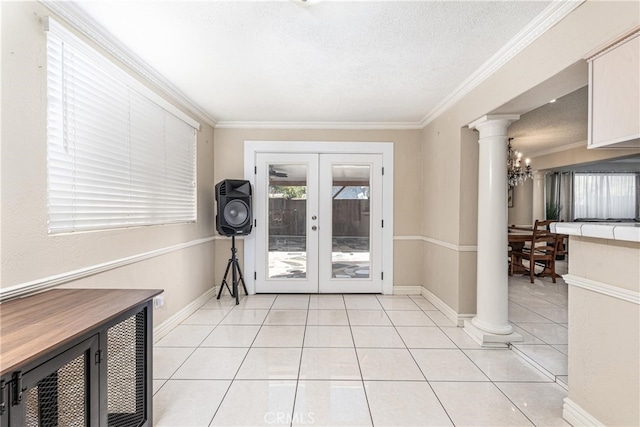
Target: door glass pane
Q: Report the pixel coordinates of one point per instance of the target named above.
(351, 221)
(287, 207)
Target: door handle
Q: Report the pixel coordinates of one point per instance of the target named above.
(314, 228)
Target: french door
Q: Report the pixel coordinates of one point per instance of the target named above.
(318, 223)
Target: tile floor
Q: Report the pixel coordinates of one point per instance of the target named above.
(538, 312)
(334, 360)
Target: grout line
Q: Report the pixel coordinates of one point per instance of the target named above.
(295, 392)
(240, 365)
(418, 365)
(355, 350)
(269, 310)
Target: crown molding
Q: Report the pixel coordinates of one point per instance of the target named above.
(87, 26)
(79, 20)
(553, 14)
(319, 125)
(558, 149)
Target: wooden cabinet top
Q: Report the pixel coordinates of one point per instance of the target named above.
(35, 325)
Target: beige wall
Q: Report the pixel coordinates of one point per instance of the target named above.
(446, 184)
(229, 164)
(28, 252)
(435, 199)
(522, 211)
(604, 338)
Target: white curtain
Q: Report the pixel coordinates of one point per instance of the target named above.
(559, 196)
(604, 195)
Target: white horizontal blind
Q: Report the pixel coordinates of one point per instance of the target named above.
(117, 154)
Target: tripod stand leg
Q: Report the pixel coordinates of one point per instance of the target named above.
(236, 274)
(241, 279)
(224, 280)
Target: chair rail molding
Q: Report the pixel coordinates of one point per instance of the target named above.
(37, 285)
(442, 243)
(603, 288)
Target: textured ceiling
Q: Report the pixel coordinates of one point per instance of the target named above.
(326, 61)
(552, 125)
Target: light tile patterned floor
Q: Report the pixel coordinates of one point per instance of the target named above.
(333, 360)
(539, 313)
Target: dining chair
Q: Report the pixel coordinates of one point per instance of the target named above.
(560, 248)
(542, 253)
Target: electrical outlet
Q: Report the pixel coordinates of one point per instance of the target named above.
(158, 301)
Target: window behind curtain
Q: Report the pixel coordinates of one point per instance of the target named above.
(605, 195)
(118, 155)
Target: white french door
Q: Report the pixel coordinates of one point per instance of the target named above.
(318, 223)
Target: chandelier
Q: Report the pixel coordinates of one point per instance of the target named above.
(515, 172)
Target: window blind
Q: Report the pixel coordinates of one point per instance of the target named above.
(118, 155)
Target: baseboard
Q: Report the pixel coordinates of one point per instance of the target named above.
(407, 290)
(165, 327)
(457, 319)
(576, 415)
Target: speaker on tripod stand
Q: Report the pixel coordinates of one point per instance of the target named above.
(233, 218)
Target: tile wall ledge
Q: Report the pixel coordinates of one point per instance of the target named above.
(627, 231)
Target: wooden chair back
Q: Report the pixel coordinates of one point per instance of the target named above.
(542, 252)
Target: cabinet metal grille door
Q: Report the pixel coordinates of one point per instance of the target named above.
(126, 372)
(60, 398)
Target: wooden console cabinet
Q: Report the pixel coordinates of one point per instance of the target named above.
(77, 357)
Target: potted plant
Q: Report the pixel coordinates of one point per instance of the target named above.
(553, 210)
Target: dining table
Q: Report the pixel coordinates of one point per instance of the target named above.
(517, 238)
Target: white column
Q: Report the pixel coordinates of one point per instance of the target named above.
(539, 210)
(491, 325)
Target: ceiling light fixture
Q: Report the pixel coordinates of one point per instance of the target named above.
(515, 172)
(552, 101)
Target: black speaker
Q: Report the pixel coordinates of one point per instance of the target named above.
(234, 207)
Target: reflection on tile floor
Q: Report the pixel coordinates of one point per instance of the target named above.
(334, 360)
(539, 312)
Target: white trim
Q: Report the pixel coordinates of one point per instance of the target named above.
(251, 148)
(630, 140)
(82, 22)
(603, 288)
(38, 285)
(220, 237)
(320, 125)
(408, 238)
(457, 319)
(88, 27)
(576, 415)
(167, 326)
(555, 12)
(407, 290)
(558, 149)
(454, 247)
(624, 39)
